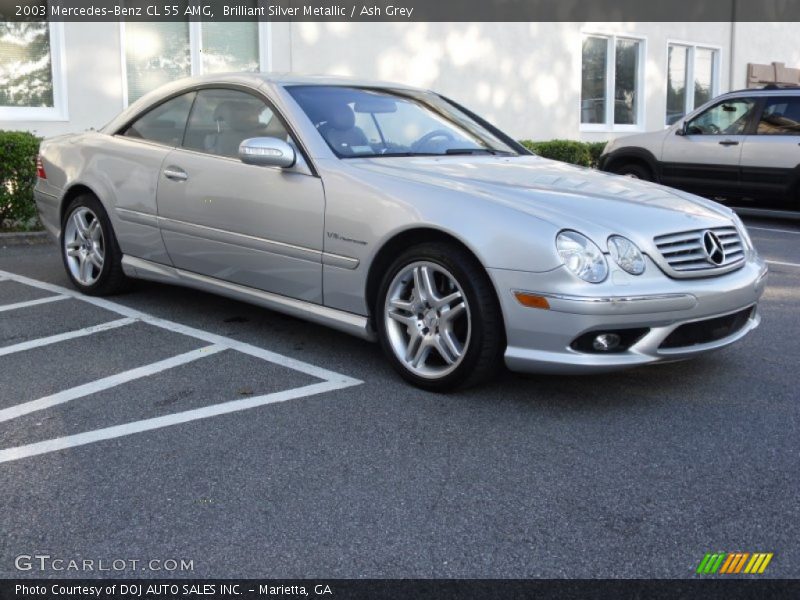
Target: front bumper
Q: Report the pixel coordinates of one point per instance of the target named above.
(540, 340)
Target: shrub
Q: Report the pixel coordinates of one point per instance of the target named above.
(18, 151)
(595, 150)
(584, 154)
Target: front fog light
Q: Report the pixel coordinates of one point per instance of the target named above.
(582, 256)
(626, 254)
(606, 342)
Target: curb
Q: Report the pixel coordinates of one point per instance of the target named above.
(24, 238)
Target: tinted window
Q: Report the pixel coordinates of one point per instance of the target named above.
(165, 123)
(368, 122)
(781, 116)
(223, 119)
(728, 118)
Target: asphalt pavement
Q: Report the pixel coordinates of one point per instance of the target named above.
(272, 447)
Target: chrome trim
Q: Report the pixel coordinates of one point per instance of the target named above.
(337, 260)
(264, 244)
(240, 239)
(684, 254)
(353, 324)
(610, 305)
(135, 216)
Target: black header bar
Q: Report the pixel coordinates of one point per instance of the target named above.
(400, 10)
(390, 589)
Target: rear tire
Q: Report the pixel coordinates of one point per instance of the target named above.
(634, 171)
(438, 318)
(89, 248)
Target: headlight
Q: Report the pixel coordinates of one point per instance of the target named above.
(742, 231)
(582, 256)
(626, 254)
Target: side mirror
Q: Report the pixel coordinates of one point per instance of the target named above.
(681, 130)
(267, 151)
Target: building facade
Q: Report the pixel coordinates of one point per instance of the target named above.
(589, 81)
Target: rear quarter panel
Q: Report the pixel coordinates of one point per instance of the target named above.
(122, 173)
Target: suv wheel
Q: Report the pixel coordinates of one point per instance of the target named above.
(634, 171)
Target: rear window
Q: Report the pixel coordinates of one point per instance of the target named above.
(781, 116)
(165, 123)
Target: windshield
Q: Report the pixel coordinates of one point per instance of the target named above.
(360, 122)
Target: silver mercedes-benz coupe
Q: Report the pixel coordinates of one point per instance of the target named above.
(396, 214)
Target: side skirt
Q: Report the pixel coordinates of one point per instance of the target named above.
(353, 324)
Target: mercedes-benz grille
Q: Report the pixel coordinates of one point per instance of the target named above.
(701, 252)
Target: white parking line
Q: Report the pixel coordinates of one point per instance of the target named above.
(61, 337)
(331, 380)
(105, 383)
(17, 305)
(214, 410)
(775, 230)
(212, 338)
(783, 264)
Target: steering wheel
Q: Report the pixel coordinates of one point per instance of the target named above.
(713, 129)
(431, 135)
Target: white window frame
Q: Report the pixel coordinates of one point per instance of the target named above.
(196, 51)
(58, 72)
(691, 47)
(611, 67)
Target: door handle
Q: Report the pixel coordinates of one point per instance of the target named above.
(175, 174)
(729, 143)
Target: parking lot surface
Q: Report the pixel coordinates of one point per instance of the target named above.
(167, 424)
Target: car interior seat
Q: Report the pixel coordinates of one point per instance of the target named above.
(236, 121)
(340, 130)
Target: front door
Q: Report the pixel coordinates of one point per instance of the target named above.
(706, 159)
(256, 226)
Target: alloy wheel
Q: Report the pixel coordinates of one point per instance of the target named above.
(427, 319)
(84, 246)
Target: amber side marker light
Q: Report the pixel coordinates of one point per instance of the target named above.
(532, 300)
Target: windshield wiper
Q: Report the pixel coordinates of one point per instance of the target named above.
(469, 151)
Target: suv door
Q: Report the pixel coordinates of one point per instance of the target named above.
(770, 163)
(704, 155)
(256, 226)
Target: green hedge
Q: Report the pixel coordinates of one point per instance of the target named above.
(18, 151)
(584, 154)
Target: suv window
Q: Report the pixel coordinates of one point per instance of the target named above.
(165, 123)
(223, 119)
(727, 118)
(781, 116)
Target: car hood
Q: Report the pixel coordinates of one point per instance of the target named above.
(562, 194)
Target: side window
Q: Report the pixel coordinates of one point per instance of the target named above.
(781, 116)
(223, 119)
(727, 118)
(165, 123)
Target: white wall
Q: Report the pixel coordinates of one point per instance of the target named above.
(764, 43)
(525, 77)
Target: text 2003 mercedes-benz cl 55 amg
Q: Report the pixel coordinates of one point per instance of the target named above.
(394, 213)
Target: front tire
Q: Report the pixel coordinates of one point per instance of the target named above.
(89, 248)
(438, 318)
